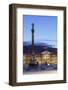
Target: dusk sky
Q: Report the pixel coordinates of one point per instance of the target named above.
(45, 28)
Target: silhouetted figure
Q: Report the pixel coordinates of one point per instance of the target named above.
(46, 63)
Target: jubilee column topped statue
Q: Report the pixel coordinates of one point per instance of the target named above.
(33, 61)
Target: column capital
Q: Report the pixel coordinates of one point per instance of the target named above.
(32, 26)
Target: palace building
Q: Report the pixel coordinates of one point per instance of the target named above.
(42, 57)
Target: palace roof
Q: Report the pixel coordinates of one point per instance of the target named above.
(39, 49)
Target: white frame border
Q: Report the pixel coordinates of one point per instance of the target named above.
(39, 77)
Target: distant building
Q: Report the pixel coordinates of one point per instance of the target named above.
(42, 58)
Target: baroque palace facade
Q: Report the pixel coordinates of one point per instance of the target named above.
(42, 58)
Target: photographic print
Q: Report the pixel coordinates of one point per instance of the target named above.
(37, 44)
